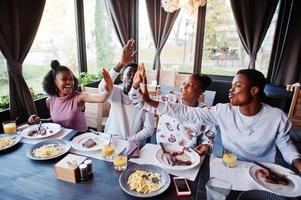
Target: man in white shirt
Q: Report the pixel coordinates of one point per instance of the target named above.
(125, 121)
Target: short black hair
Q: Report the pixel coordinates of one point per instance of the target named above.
(133, 65)
(203, 79)
(256, 78)
(49, 80)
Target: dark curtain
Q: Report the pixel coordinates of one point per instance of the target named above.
(161, 23)
(122, 14)
(19, 21)
(285, 64)
(253, 18)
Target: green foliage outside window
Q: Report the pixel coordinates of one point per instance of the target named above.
(86, 78)
(4, 100)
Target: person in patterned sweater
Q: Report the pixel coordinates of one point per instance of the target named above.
(170, 130)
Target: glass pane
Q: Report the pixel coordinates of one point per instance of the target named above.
(264, 53)
(147, 51)
(3, 76)
(55, 39)
(223, 53)
(102, 44)
(178, 52)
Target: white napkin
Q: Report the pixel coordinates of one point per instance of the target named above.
(238, 176)
(147, 156)
(59, 135)
(119, 145)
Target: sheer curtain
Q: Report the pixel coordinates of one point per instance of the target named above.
(253, 18)
(19, 22)
(161, 23)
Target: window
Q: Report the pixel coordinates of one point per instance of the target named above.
(55, 39)
(102, 45)
(3, 76)
(147, 48)
(178, 52)
(223, 52)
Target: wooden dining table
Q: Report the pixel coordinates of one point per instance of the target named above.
(22, 178)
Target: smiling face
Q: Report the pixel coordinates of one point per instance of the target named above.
(241, 92)
(190, 90)
(64, 81)
(127, 78)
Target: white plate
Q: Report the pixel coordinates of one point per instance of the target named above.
(61, 142)
(100, 140)
(123, 179)
(290, 190)
(51, 129)
(16, 141)
(194, 158)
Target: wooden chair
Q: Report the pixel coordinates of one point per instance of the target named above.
(96, 113)
(295, 109)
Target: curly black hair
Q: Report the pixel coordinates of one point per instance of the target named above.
(203, 80)
(49, 85)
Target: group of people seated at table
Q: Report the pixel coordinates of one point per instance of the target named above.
(249, 127)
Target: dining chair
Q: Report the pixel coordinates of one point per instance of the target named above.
(295, 109)
(96, 113)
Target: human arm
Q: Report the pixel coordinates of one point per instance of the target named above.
(285, 145)
(127, 57)
(147, 130)
(103, 96)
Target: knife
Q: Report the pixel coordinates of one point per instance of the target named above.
(263, 166)
(95, 132)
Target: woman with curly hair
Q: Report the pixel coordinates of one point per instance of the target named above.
(65, 103)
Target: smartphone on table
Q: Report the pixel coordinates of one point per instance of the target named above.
(181, 186)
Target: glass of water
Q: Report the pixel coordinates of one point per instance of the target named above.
(217, 189)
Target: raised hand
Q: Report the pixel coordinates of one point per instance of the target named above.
(108, 81)
(138, 78)
(144, 94)
(128, 54)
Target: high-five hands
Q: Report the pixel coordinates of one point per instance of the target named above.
(108, 81)
(138, 78)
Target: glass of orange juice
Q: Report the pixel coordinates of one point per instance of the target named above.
(108, 151)
(120, 162)
(9, 127)
(229, 158)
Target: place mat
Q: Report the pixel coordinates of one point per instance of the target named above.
(238, 176)
(59, 135)
(119, 145)
(147, 156)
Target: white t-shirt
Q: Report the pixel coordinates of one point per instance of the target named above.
(253, 138)
(125, 120)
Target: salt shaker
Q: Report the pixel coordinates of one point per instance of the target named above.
(83, 169)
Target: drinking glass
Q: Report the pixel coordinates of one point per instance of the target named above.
(9, 127)
(107, 151)
(229, 158)
(120, 162)
(217, 189)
